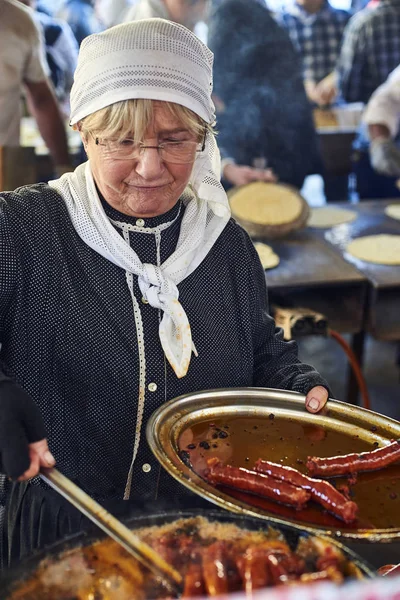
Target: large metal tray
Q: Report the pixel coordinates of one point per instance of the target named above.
(358, 428)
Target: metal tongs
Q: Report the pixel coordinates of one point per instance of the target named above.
(170, 578)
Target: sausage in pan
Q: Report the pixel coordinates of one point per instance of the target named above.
(321, 491)
(353, 463)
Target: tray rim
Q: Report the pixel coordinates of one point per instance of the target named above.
(178, 407)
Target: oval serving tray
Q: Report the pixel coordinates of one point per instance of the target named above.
(274, 424)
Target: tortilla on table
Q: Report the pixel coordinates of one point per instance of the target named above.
(266, 203)
(267, 256)
(383, 249)
(393, 210)
(268, 210)
(328, 216)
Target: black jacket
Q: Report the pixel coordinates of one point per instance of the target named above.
(258, 77)
(68, 337)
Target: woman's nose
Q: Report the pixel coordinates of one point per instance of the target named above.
(149, 164)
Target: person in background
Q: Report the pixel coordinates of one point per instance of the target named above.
(370, 52)
(125, 284)
(61, 53)
(185, 12)
(357, 5)
(382, 117)
(113, 12)
(316, 29)
(23, 69)
(82, 17)
(264, 121)
(50, 7)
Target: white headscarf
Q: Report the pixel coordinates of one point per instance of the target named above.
(158, 60)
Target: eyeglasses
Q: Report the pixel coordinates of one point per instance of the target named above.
(179, 152)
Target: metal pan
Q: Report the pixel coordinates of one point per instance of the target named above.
(15, 577)
(264, 417)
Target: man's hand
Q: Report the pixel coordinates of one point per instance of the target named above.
(385, 156)
(240, 174)
(316, 399)
(326, 90)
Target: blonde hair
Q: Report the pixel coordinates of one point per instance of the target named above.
(120, 119)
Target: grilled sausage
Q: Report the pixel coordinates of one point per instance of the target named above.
(256, 483)
(321, 491)
(353, 463)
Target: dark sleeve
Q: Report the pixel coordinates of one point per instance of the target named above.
(80, 23)
(352, 61)
(258, 79)
(276, 362)
(8, 276)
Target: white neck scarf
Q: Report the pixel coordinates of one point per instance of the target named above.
(205, 217)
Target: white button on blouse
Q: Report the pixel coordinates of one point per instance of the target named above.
(139, 222)
(152, 387)
(146, 467)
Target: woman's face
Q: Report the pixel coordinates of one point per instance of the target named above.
(146, 186)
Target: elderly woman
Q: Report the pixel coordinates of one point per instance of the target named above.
(125, 284)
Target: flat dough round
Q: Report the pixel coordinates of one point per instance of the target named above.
(327, 216)
(266, 204)
(393, 210)
(268, 258)
(381, 249)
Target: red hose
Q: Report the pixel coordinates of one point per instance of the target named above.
(355, 367)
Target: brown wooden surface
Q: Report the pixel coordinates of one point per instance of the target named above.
(383, 300)
(306, 260)
(17, 167)
(371, 220)
(311, 274)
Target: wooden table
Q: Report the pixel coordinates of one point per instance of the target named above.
(356, 296)
(336, 128)
(383, 297)
(30, 138)
(312, 274)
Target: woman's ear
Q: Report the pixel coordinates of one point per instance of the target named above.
(82, 133)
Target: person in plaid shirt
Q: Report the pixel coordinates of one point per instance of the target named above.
(316, 30)
(370, 50)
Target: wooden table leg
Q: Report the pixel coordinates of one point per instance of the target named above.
(357, 345)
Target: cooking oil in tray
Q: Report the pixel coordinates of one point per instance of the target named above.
(240, 441)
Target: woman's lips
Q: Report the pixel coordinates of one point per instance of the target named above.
(147, 187)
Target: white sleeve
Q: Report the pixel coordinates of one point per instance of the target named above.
(384, 104)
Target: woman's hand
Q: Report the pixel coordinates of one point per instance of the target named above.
(23, 447)
(39, 456)
(316, 399)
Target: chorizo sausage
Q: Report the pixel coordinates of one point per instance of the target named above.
(353, 463)
(321, 491)
(193, 581)
(256, 483)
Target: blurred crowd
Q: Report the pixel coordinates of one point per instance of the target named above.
(271, 69)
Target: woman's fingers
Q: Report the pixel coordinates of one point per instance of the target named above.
(40, 456)
(316, 399)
